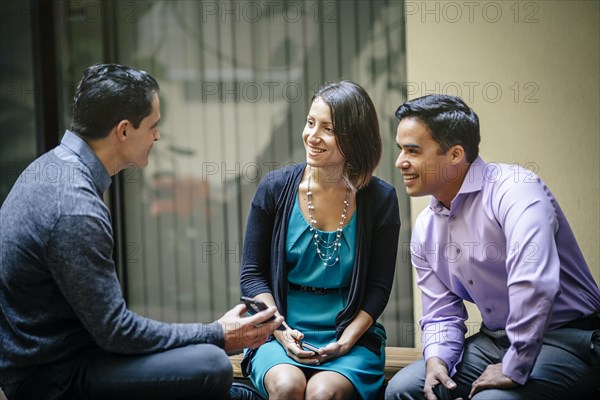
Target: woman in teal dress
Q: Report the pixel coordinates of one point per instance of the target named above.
(320, 245)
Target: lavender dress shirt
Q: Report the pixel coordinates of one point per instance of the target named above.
(506, 246)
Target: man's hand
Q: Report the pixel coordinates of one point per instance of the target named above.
(247, 332)
(492, 378)
(436, 374)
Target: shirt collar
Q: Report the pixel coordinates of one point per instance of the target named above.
(78, 146)
(473, 182)
(475, 176)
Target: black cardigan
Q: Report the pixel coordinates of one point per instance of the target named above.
(264, 267)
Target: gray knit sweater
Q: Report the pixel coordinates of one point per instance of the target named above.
(59, 291)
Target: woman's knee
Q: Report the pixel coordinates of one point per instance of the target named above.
(321, 391)
(286, 382)
(285, 388)
(329, 385)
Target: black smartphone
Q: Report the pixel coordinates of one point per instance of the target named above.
(309, 346)
(441, 392)
(255, 306)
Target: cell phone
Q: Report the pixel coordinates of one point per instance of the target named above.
(254, 306)
(309, 346)
(441, 392)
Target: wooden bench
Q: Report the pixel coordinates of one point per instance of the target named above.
(396, 359)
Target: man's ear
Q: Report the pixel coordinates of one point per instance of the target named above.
(458, 153)
(122, 129)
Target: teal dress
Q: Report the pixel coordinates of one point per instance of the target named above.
(314, 314)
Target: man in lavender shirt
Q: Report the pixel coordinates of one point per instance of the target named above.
(65, 329)
(493, 235)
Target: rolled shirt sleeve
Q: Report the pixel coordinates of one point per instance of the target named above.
(530, 223)
(444, 314)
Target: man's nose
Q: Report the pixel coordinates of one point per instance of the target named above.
(401, 162)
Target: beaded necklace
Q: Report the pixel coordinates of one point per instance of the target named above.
(328, 252)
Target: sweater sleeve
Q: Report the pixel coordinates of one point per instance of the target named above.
(79, 258)
(256, 255)
(383, 249)
(256, 270)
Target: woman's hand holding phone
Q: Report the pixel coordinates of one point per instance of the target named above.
(292, 339)
(309, 346)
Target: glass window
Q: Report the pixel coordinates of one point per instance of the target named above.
(17, 95)
(236, 80)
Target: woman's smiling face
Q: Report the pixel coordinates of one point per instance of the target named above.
(319, 139)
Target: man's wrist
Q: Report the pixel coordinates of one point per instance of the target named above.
(436, 361)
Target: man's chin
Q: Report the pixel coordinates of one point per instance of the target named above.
(413, 192)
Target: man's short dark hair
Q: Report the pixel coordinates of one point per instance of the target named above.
(450, 121)
(356, 129)
(108, 94)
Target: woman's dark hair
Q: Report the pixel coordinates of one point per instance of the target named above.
(449, 119)
(108, 94)
(356, 129)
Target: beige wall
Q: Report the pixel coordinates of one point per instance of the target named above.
(531, 70)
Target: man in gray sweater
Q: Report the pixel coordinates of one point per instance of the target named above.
(65, 329)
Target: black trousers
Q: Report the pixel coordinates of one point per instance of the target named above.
(200, 371)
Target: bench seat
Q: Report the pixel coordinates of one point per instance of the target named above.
(396, 359)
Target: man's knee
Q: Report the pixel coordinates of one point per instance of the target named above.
(407, 383)
(399, 389)
(212, 360)
(495, 394)
(209, 368)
